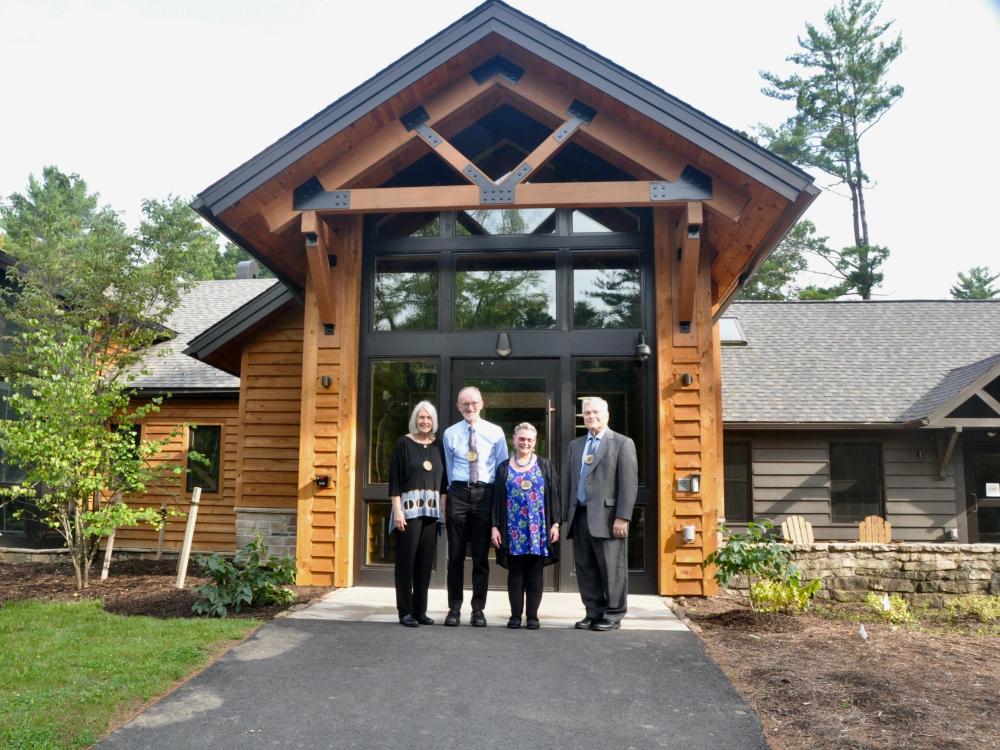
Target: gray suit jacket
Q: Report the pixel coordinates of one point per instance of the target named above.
(611, 483)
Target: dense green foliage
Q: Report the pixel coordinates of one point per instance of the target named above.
(982, 608)
(976, 284)
(70, 669)
(775, 279)
(840, 93)
(758, 555)
(253, 578)
(87, 299)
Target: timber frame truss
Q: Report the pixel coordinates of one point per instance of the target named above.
(341, 187)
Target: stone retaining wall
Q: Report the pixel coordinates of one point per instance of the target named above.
(920, 573)
(276, 525)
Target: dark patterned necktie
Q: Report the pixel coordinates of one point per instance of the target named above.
(473, 463)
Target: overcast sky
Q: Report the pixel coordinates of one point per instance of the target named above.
(145, 98)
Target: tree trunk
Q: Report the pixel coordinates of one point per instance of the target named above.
(859, 176)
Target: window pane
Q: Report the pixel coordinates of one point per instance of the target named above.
(396, 387)
(409, 225)
(381, 542)
(9, 474)
(506, 221)
(206, 440)
(606, 291)
(737, 481)
(601, 220)
(620, 383)
(637, 540)
(406, 294)
(498, 293)
(855, 481)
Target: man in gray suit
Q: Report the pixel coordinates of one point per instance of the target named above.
(603, 478)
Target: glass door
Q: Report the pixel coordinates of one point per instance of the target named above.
(982, 477)
(514, 391)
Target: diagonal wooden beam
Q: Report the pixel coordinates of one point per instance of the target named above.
(688, 241)
(615, 134)
(990, 401)
(318, 259)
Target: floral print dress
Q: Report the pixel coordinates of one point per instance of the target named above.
(526, 511)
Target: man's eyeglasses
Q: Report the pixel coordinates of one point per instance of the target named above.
(469, 404)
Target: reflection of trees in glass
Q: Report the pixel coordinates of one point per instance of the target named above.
(396, 387)
(612, 300)
(506, 221)
(405, 301)
(504, 299)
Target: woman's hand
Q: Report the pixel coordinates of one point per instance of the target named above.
(496, 537)
(554, 533)
(399, 520)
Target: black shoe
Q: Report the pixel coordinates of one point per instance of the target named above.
(585, 624)
(424, 620)
(514, 623)
(478, 619)
(453, 618)
(533, 624)
(409, 621)
(606, 624)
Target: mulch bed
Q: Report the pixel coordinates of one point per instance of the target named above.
(133, 587)
(816, 684)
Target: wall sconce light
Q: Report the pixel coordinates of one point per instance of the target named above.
(326, 381)
(688, 531)
(503, 345)
(952, 534)
(686, 379)
(322, 481)
(690, 483)
(642, 350)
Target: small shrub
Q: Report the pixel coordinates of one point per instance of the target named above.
(783, 596)
(897, 613)
(252, 578)
(754, 553)
(975, 607)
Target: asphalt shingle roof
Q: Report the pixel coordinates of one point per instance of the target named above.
(855, 362)
(169, 369)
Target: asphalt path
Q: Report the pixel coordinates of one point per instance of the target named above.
(329, 684)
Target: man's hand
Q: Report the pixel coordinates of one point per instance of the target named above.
(554, 534)
(620, 528)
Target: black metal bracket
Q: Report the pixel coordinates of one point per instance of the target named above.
(310, 196)
(580, 114)
(489, 191)
(414, 117)
(497, 66)
(692, 185)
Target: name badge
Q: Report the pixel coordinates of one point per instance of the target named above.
(588, 459)
(472, 456)
(525, 484)
(428, 465)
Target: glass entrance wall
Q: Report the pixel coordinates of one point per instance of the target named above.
(537, 310)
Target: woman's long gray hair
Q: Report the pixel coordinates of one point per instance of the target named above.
(428, 407)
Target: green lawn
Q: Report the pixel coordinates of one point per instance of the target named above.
(66, 670)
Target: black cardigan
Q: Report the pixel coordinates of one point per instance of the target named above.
(552, 505)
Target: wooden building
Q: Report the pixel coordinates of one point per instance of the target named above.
(502, 207)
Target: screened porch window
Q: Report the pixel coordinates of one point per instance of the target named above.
(855, 481)
(738, 470)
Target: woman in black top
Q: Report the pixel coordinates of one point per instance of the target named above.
(525, 524)
(417, 487)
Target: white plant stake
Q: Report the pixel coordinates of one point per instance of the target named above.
(863, 633)
(182, 563)
(886, 604)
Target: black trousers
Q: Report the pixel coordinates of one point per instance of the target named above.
(468, 514)
(524, 580)
(415, 549)
(601, 571)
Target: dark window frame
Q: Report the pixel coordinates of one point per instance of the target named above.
(878, 481)
(196, 471)
(748, 514)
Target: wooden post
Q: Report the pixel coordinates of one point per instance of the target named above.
(182, 563)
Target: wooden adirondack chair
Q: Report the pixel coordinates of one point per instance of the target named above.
(797, 530)
(875, 529)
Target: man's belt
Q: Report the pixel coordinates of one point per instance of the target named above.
(458, 483)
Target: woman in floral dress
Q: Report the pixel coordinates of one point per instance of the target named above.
(525, 524)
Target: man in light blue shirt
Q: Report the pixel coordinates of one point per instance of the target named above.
(473, 448)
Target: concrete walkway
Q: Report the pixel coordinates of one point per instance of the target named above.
(343, 673)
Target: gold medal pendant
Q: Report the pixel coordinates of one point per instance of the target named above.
(588, 459)
(525, 484)
(471, 456)
(428, 465)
